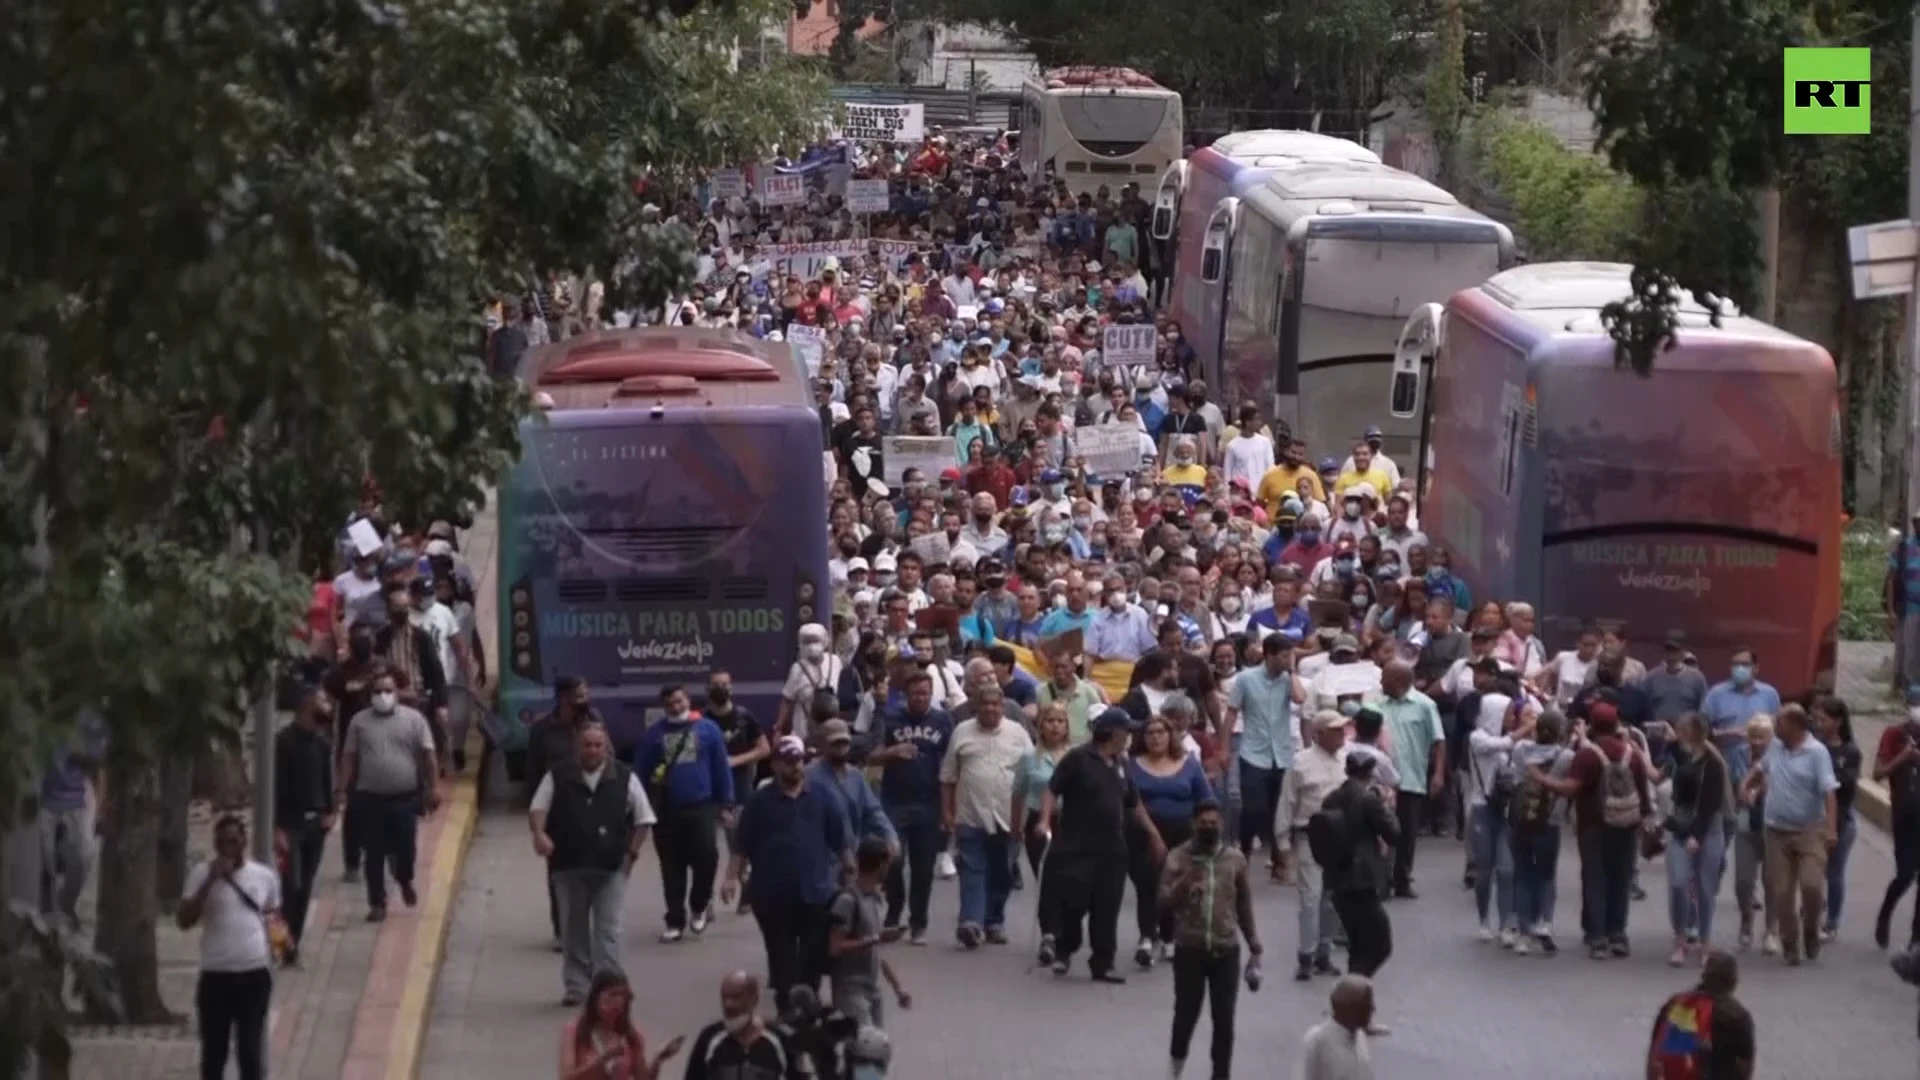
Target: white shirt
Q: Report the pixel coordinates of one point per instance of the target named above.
(1333, 1052)
(1248, 459)
(639, 807)
(442, 627)
(233, 937)
(1570, 674)
(982, 766)
(805, 679)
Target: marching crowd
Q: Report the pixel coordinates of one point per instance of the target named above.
(1234, 664)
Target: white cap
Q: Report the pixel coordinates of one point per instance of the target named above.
(885, 562)
(438, 547)
(1093, 268)
(839, 412)
(858, 562)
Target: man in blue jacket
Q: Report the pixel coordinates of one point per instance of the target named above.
(683, 762)
(835, 771)
(913, 740)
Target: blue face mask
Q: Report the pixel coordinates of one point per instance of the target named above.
(1742, 674)
(1436, 575)
(1308, 537)
(1349, 708)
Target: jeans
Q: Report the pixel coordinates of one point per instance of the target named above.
(1259, 804)
(305, 842)
(1797, 881)
(233, 1016)
(1317, 921)
(390, 826)
(1749, 872)
(921, 842)
(1492, 855)
(1212, 976)
(1693, 881)
(689, 850)
(1369, 931)
(1837, 870)
(986, 877)
(795, 937)
(590, 903)
(1144, 871)
(1606, 879)
(1411, 808)
(66, 858)
(1536, 863)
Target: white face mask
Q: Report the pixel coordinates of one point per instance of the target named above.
(385, 702)
(813, 650)
(1060, 603)
(1117, 600)
(1230, 606)
(738, 1024)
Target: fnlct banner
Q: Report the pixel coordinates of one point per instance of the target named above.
(885, 123)
(782, 189)
(804, 261)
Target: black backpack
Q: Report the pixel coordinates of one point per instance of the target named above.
(1329, 838)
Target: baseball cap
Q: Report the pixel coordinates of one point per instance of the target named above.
(1328, 465)
(1676, 639)
(835, 731)
(858, 562)
(789, 748)
(885, 563)
(950, 474)
(1113, 719)
(1345, 643)
(440, 530)
(1373, 432)
(1052, 476)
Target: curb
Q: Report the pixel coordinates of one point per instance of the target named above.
(436, 919)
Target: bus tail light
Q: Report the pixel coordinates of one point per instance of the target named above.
(806, 614)
(523, 644)
(805, 592)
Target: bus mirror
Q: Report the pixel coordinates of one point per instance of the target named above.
(1210, 265)
(1162, 220)
(1406, 394)
(1419, 341)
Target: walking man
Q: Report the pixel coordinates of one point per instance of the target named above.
(1797, 782)
(389, 766)
(303, 803)
(976, 799)
(1204, 884)
(1085, 875)
(683, 758)
(794, 834)
(230, 898)
(589, 819)
(1318, 771)
(1363, 831)
(1336, 1048)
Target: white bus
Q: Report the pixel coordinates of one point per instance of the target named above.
(1323, 264)
(1095, 126)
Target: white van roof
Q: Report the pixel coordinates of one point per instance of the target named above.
(1358, 182)
(1256, 146)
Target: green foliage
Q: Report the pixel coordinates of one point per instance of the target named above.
(1693, 111)
(1863, 574)
(1568, 204)
(39, 956)
(245, 251)
(1446, 90)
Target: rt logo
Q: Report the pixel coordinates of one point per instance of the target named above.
(1828, 91)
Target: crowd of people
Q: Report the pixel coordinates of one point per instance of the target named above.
(1238, 650)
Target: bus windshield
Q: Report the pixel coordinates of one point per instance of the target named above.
(1114, 125)
(640, 551)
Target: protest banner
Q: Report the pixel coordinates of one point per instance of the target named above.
(1129, 344)
(867, 196)
(1109, 449)
(932, 548)
(885, 123)
(782, 189)
(805, 260)
(727, 184)
(811, 343)
(929, 453)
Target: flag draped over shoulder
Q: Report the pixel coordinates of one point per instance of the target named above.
(1110, 675)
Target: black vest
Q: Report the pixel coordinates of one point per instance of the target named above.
(590, 829)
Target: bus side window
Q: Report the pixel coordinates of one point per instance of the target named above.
(1406, 393)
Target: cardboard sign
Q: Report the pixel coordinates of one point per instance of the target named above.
(728, 184)
(811, 343)
(1109, 449)
(885, 123)
(867, 196)
(931, 454)
(782, 189)
(932, 548)
(1129, 344)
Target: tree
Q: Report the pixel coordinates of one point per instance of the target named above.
(258, 243)
(1693, 113)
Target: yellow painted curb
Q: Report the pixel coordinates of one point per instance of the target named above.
(436, 918)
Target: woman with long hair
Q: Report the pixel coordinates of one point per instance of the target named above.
(1171, 783)
(1833, 724)
(1697, 844)
(602, 1043)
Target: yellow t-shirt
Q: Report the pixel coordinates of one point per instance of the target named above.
(1191, 476)
(1284, 480)
(1375, 477)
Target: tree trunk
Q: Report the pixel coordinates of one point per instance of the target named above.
(127, 911)
(170, 858)
(219, 775)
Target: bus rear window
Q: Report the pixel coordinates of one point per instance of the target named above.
(1113, 125)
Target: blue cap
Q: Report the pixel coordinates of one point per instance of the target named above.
(1373, 432)
(1052, 476)
(1114, 719)
(1328, 464)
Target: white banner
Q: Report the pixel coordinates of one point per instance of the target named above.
(805, 260)
(728, 184)
(1129, 344)
(811, 343)
(867, 196)
(782, 189)
(885, 123)
(931, 454)
(1109, 449)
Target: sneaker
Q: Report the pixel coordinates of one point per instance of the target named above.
(970, 936)
(1323, 965)
(699, 923)
(1746, 938)
(1813, 947)
(996, 935)
(1828, 933)
(1111, 978)
(1162, 952)
(1487, 932)
(1143, 954)
(1046, 950)
(1637, 892)
(1520, 946)
(893, 930)
(1303, 970)
(378, 914)
(918, 938)
(1062, 966)
(1619, 949)
(671, 934)
(1597, 952)
(1771, 945)
(1793, 959)
(1678, 958)
(943, 867)
(1548, 946)
(1508, 939)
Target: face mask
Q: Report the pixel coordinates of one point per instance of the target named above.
(1082, 523)
(1230, 606)
(813, 650)
(1349, 708)
(1117, 601)
(719, 695)
(1059, 603)
(1362, 600)
(1436, 575)
(1742, 674)
(1207, 836)
(738, 1024)
(385, 702)
(1308, 537)
(1054, 491)
(1344, 566)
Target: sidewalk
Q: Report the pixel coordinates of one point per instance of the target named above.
(357, 1008)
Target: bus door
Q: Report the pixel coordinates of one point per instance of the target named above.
(1410, 395)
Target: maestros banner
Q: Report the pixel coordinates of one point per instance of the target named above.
(885, 123)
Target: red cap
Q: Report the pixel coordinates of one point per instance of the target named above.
(950, 474)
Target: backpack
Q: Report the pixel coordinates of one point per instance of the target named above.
(1619, 793)
(1682, 1038)
(1329, 839)
(1530, 806)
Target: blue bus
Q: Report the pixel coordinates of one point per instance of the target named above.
(666, 520)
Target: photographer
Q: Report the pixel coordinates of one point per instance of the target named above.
(741, 1045)
(819, 1035)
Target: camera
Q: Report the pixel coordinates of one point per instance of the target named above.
(820, 1033)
